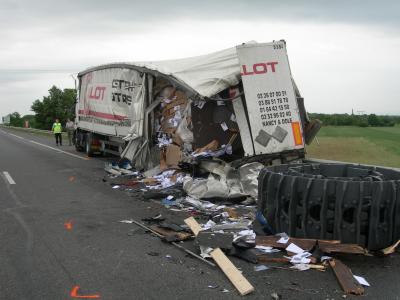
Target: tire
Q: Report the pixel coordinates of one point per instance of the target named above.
(88, 145)
(351, 203)
(78, 141)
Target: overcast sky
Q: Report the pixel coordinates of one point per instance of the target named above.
(344, 55)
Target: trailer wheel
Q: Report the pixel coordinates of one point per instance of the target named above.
(88, 145)
(351, 203)
(78, 141)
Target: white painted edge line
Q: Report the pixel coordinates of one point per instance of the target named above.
(9, 178)
(59, 150)
(49, 147)
(17, 136)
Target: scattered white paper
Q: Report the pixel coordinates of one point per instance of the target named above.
(170, 197)
(233, 118)
(126, 221)
(361, 280)
(301, 267)
(224, 126)
(283, 240)
(208, 225)
(115, 187)
(267, 249)
(300, 260)
(258, 268)
(294, 249)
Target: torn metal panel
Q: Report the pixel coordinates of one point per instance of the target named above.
(215, 239)
(249, 178)
(245, 132)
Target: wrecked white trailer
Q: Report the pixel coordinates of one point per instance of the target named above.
(240, 104)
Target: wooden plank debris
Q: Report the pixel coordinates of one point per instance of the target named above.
(267, 258)
(327, 247)
(173, 243)
(193, 225)
(345, 278)
(271, 241)
(168, 233)
(238, 280)
(391, 249)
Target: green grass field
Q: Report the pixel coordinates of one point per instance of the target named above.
(366, 145)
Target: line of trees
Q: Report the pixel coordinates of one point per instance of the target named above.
(59, 104)
(17, 121)
(356, 120)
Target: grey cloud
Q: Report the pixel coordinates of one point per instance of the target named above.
(89, 12)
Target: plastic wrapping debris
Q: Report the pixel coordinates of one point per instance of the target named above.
(205, 251)
(247, 235)
(205, 188)
(249, 178)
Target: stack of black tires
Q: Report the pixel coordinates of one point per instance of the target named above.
(351, 203)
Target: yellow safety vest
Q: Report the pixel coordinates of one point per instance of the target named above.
(57, 128)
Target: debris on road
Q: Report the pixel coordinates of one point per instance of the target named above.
(221, 148)
(233, 274)
(172, 242)
(346, 278)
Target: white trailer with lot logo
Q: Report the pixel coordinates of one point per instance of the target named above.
(240, 101)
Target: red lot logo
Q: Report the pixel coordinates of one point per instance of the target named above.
(97, 93)
(258, 68)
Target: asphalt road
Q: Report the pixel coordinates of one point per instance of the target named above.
(59, 229)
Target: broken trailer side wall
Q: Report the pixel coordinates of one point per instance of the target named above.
(111, 102)
(270, 99)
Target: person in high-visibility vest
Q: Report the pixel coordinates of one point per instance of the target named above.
(57, 128)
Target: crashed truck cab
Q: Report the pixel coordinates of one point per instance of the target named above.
(240, 105)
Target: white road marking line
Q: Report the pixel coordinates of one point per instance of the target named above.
(49, 147)
(9, 178)
(20, 137)
(59, 150)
